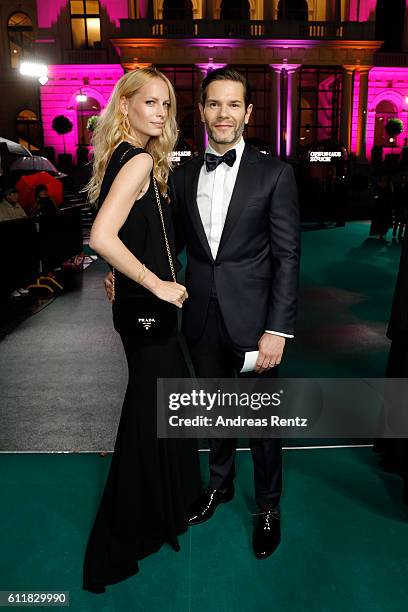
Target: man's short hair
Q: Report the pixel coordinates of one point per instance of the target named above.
(9, 190)
(225, 74)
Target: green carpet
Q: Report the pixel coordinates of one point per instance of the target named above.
(345, 531)
(346, 286)
(344, 541)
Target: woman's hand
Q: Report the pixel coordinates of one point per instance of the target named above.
(164, 290)
(170, 292)
(108, 282)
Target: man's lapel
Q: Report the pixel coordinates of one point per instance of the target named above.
(243, 189)
(191, 185)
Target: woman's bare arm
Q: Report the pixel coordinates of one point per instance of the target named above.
(112, 215)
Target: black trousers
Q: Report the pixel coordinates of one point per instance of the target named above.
(213, 358)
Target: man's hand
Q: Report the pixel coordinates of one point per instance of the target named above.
(108, 282)
(270, 352)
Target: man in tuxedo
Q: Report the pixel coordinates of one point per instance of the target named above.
(240, 220)
(239, 213)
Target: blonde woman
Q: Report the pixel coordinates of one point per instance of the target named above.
(152, 482)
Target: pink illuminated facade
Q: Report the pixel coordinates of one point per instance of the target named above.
(389, 85)
(362, 11)
(96, 82)
(319, 72)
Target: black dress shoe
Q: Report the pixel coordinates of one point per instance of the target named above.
(205, 506)
(267, 533)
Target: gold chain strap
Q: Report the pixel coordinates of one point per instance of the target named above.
(164, 231)
(126, 152)
(159, 206)
(113, 284)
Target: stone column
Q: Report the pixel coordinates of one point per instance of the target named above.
(204, 9)
(283, 111)
(202, 138)
(347, 106)
(276, 109)
(292, 123)
(259, 10)
(362, 114)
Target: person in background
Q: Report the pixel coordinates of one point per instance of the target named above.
(394, 451)
(400, 213)
(44, 203)
(10, 207)
(383, 195)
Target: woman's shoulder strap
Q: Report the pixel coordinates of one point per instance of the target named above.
(121, 154)
(126, 151)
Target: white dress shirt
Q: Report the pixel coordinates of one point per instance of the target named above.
(214, 193)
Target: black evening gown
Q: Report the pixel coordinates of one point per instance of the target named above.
(394, 452)
(151, 482)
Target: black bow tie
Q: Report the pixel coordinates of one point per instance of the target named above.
(212, 161)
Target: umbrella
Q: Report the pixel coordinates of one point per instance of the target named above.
(14, 148)
(34, 162)
(26, 188)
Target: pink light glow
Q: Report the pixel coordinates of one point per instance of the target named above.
(362, 10)
(58, 96)
(290, 145)
(354, 122)
(205, 69)
(209, 67)
(263, 43)
(48, 11)
(116, 9)
(386, 84)
(289, 135)
(143, 9)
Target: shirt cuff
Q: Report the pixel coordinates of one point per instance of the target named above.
(275, 333)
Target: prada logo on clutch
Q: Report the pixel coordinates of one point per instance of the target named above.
(147, 323)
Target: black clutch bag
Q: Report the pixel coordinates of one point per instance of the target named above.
(146, 316)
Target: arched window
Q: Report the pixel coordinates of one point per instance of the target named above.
(85, 23)
(177, 9)
(20, 36)
(384, 111)
(235, 10)
(293, 10)
(86, 109)
(28, 129)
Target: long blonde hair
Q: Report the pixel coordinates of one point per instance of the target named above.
(113, 127)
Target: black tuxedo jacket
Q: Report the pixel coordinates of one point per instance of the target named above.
(255, 272)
